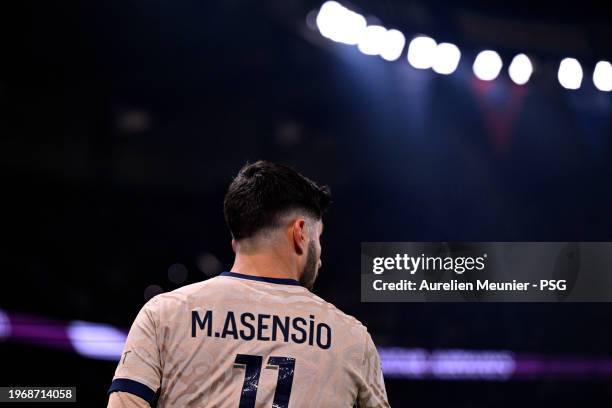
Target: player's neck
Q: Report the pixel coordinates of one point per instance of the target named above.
(264, 265)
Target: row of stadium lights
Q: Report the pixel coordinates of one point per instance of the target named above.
(342, 25)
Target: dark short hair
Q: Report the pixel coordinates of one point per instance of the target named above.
(262, 192)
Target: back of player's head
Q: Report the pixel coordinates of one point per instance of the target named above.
(263, 192)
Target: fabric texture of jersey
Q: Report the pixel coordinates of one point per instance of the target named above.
(239, 341)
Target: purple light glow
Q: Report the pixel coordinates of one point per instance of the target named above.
(447, 364)
(101, 341)
(532, 367)
(5, 325)
(98, 341)
(36, 330)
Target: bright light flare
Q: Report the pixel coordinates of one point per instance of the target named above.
(602, 76)
(393, 45)
(487, 65)
(520, 69)
(421, 52)
(446, 58)
(372, 40)
(340, 24)
(570, 73)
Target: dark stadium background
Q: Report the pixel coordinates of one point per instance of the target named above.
(123, 123)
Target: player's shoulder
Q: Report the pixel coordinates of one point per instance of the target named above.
(340, 316)
(179, 296)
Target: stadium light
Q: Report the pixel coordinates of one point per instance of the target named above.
(372, 40)
(520, 69)
(421, 52)
(377, 40)
(570, 73)
(487, 65)
(340, 24)
(446, 58)
(393, 45)
(602, 76)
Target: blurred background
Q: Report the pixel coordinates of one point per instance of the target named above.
(124, 122)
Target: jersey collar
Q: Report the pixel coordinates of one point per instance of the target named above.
(279, 281)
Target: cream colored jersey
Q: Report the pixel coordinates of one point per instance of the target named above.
(241, 341)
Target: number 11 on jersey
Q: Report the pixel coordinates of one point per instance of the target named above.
(252, 366)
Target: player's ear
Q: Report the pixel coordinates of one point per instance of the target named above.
(299, 235)
(234, 245)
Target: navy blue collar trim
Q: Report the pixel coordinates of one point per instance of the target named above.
(261, 278)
